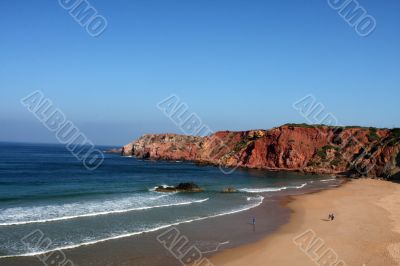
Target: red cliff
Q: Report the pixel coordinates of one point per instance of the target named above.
(316, 149)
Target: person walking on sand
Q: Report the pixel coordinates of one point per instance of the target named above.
(332, 217)
(254, 221)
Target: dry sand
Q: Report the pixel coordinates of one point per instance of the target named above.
(366, 230)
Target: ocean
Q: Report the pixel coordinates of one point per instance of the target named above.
(43, 187)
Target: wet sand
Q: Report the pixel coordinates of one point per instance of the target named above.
(365, 231)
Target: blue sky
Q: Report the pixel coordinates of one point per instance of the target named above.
(237, 64)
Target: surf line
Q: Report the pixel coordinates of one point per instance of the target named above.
(134, 233)
(271, 189)
(103, 213)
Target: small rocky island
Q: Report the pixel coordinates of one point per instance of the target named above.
(182, 187)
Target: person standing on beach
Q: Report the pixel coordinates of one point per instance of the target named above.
(254, 221)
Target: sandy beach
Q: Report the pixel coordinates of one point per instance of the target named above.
(365, 231)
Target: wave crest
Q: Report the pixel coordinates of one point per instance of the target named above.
(258, 200)
(102, 213)
(271, 189)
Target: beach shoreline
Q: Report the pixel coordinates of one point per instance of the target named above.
(366, 229)
(234, 230)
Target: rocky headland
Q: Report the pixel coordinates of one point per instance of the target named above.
(354, 151)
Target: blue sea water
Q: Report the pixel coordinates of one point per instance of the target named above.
(43, 187)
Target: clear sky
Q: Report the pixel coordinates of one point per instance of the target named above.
(237, 64)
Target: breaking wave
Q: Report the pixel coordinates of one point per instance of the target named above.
(270, 189)
(21, 213)
(257, 201)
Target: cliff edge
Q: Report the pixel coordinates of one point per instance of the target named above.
(355, 151)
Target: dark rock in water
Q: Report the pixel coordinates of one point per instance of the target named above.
(182, 187)
(229, 190)
(188, 187)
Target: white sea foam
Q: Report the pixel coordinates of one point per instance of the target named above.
(160, 196)
(257, 203)
(301, 186)
(82, 215)
(271, 189)
(153, 189)
(327, 180)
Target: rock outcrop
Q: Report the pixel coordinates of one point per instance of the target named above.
(181, 187)
(355, 151)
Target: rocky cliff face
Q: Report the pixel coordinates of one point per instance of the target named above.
(316, 149)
